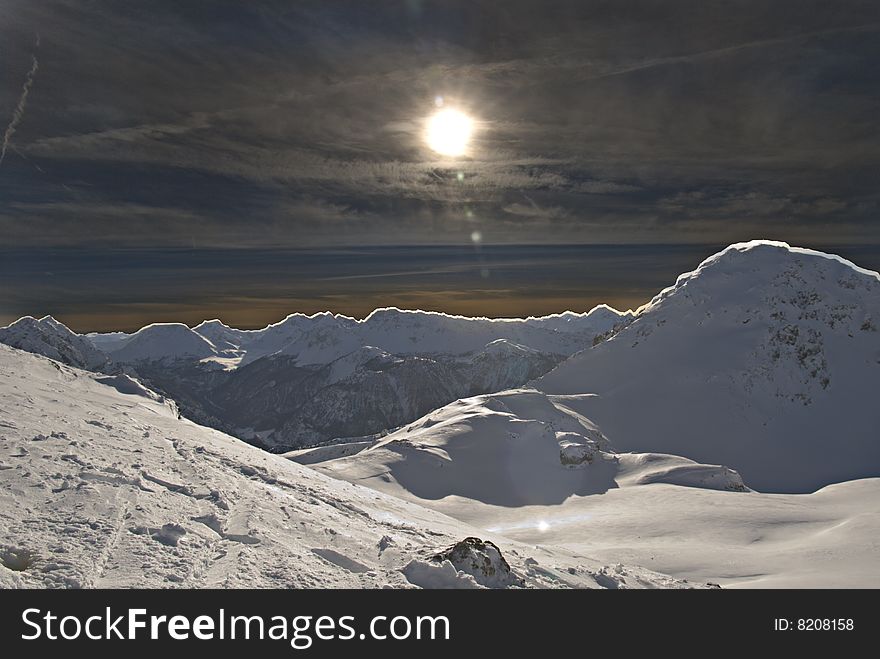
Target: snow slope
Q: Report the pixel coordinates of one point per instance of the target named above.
(48, 337)
(828, 539)
(765, 358)
(527, 466)
(285, 399)
(516, 448)
(225, 338)
(106, 341)
(104, 486)
(163, 342)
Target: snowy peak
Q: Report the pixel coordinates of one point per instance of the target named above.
(318, 338)
(214, 323)
(569, 321)
(791, 306)
(755, 359)
(748, 268)
(225, 338)
(322, 338)
(163, 341)
(51, 338)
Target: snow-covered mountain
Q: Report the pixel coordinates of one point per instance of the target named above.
(104, 486)
(526, 465)
(763, 352)
(227, 339)
(163, 342)
(309, 379)
(757, 370)
(765, 358)
(278, 404)
(655, 444)
(46, 336)
(324, 337)
(107, 341)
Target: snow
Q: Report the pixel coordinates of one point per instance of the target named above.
(51, 338)
(106, 341)
(516, 448)
(443, 575)
(480, 461)
(765, 358)
(725, 433)
(162, 341)
(478, 448)
(309, 379)
(100, 488)
(324, 337)
(125, 384)
(225, 338)
(740, 540)
(327, 452)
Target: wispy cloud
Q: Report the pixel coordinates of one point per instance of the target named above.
(734, 49)
(595, 121)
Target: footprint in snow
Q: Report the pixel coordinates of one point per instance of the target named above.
(169, 534)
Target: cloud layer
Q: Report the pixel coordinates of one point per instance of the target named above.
(274, 123)
(179, 160)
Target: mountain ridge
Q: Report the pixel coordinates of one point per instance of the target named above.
(762, 346)
(763, 326)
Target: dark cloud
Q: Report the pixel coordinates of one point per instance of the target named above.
(218, 123)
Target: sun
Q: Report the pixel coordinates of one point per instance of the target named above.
(449, 132)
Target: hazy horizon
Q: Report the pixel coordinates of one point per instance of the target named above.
(125, 289)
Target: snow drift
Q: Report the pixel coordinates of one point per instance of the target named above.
(517, 448)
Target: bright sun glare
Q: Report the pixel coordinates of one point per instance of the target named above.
(449, 132)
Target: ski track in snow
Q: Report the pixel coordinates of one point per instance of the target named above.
(104, 489)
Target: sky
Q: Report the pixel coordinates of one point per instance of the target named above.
(169, 160)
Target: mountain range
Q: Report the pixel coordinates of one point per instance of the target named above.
(726, 431)
(309, 379)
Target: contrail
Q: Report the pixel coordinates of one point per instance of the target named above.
(718, 52)
(18, 113)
